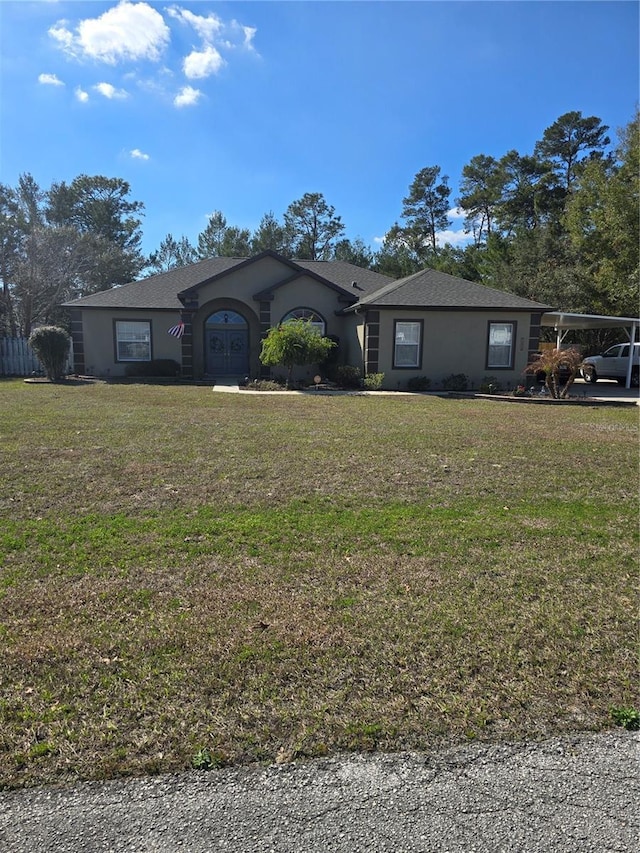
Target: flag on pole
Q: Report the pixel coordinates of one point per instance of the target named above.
(177, 331)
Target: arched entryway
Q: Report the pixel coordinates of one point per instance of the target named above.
(226, 344)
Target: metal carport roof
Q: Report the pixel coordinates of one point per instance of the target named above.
(562, 322)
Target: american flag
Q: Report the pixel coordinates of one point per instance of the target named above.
(177, 331)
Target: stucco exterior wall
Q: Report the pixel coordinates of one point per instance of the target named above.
(454, 342)
(353, 337)
(99, 339)
(306, 292)
(236, 291)
(242, 284)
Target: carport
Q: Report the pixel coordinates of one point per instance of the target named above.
(563, 323)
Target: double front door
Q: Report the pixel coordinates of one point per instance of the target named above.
(227, 352)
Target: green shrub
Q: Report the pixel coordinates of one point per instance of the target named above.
(455, 382)
(204, 759)
(348, 376)
(373, 381)
(628, 718)
(490, 385)
(156, 367)
(294, 343)
(266, 385)
(51, 345)
(419, 383)
(334, 355)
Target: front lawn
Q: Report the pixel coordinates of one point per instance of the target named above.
(257, 578)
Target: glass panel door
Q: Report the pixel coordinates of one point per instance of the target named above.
(227, 352)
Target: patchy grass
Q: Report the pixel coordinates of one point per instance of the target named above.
(197, 578)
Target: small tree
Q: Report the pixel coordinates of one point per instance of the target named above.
(552, 363)
(294, 343)
(51, 345)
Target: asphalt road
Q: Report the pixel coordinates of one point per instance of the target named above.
(567, 794)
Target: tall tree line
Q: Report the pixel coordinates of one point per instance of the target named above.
(558, 224)
(65, 242)
(310, 230)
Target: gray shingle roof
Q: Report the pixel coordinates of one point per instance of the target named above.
(425, 289)
(157, 291)
(434, 289)
(161, 290)
(344, 275)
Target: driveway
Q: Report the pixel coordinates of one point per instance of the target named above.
(576, 793)
(604, 389)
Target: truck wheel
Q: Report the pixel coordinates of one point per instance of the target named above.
(589, 374)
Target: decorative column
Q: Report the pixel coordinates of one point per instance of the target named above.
(265, 325)
(534, 336)
(186, 341)
(371, 341)
(77, 337)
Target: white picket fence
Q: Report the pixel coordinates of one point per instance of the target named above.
(18, 359)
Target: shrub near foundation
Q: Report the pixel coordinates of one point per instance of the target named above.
(294, 343)
(347, 376)
(455, 382)
(373, 381)
(553, 364)
(51, 345)
(419, 383)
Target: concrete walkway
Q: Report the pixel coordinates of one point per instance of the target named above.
(603, 391)
(227, 387)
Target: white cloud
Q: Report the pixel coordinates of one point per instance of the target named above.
(137, 154)
(61, 34)
(202, 63)
(456, 238)
(110, 91)
(50, 80)
(187, 97)
(81, 95)
(456, 213)
(249, 33)
(214, 32)
(207, 28)
(127, 31)
(246, 33)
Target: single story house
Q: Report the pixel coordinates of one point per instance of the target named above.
(210, 318)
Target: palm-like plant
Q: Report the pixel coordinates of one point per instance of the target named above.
(552, 363)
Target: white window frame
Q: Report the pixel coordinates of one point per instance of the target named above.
(501, 341)
(405, 341)
(313, 317)
(135, 335)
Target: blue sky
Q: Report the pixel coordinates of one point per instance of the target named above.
(244, 107)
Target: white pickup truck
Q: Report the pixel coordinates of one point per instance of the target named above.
(612, 364)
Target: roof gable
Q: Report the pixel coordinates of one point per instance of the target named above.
(240, 264)
(170, 289)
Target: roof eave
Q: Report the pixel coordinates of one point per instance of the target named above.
(412, 307)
